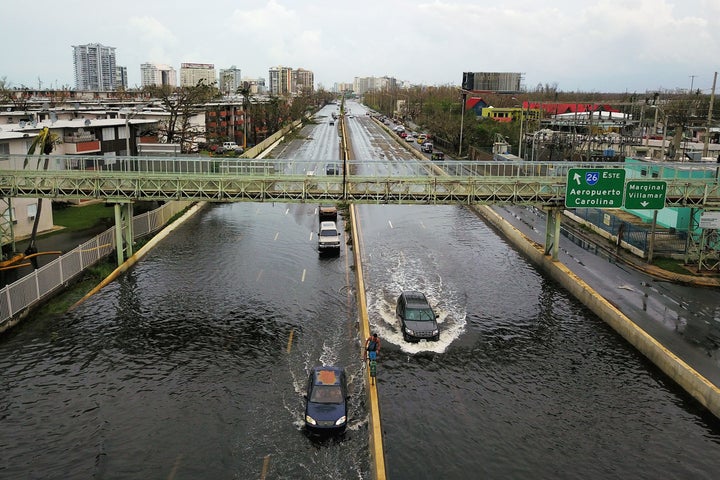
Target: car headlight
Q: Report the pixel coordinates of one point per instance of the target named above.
(410, 332)
(310, 420)
(341, 421)
(436, 331)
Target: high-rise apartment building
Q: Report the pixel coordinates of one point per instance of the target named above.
(229, 80)
(305, 80)
(368, 84)
(192, 73)
(281, 80)
(257, 85)
(94, 67)
(157, 75)
(121, 79)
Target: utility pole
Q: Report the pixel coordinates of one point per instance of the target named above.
(462, 118)
(692, 81)
(706, 146)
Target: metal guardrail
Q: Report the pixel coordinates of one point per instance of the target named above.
(22, 294)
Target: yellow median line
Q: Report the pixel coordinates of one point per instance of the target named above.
(375, 430)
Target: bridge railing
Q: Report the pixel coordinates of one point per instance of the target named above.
(41, 283)
(275, 168)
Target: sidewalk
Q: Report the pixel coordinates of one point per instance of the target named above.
(637, 263)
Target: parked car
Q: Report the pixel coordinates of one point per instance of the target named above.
(326, 399)
(418, 321)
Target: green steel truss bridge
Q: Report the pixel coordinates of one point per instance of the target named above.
(119, 179)
(123, 180)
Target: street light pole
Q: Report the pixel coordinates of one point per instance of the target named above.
(127, 134)
(706, 145)
(520, 140)
(462, 120)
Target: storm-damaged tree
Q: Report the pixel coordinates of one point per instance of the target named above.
(44, 143)
(19, 98)
(182, 103)
(246, 92)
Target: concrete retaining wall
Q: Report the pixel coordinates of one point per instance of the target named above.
(695, 384)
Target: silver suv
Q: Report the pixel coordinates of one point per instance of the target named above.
(418, 321)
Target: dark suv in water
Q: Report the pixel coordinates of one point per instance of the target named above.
(417, 319)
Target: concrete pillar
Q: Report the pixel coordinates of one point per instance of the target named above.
(552, 232)
(124, 234)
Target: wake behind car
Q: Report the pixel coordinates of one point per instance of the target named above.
(418, 321)
(326, 400)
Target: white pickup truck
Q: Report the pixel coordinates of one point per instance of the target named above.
(328, 237)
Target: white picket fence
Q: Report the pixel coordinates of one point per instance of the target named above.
(43, 282)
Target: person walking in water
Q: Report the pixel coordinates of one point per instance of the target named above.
(372, 344)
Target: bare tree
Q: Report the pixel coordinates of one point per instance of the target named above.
(182, 104)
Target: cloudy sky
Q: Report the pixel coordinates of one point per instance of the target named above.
(585, 45)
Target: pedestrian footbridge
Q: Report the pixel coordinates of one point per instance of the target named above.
(123, 180)
(119, 179)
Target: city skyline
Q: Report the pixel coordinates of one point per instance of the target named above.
(630, 45)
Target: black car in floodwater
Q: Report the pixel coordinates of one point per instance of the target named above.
(326, 400)
(418, 321)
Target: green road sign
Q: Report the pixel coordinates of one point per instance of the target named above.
(641, 195)
(595, 188)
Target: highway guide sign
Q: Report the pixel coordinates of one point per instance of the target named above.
(595, 188)
(648, 195)
(710, 220)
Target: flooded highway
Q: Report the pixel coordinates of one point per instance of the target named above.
(193, 365)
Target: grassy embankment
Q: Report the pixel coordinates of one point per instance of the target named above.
(76, 219)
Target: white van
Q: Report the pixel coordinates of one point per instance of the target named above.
(232, 147)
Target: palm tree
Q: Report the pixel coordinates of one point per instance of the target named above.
(45, 141)
(245, 91)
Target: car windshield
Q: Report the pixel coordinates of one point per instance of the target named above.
(327, 394)
(419, 314)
